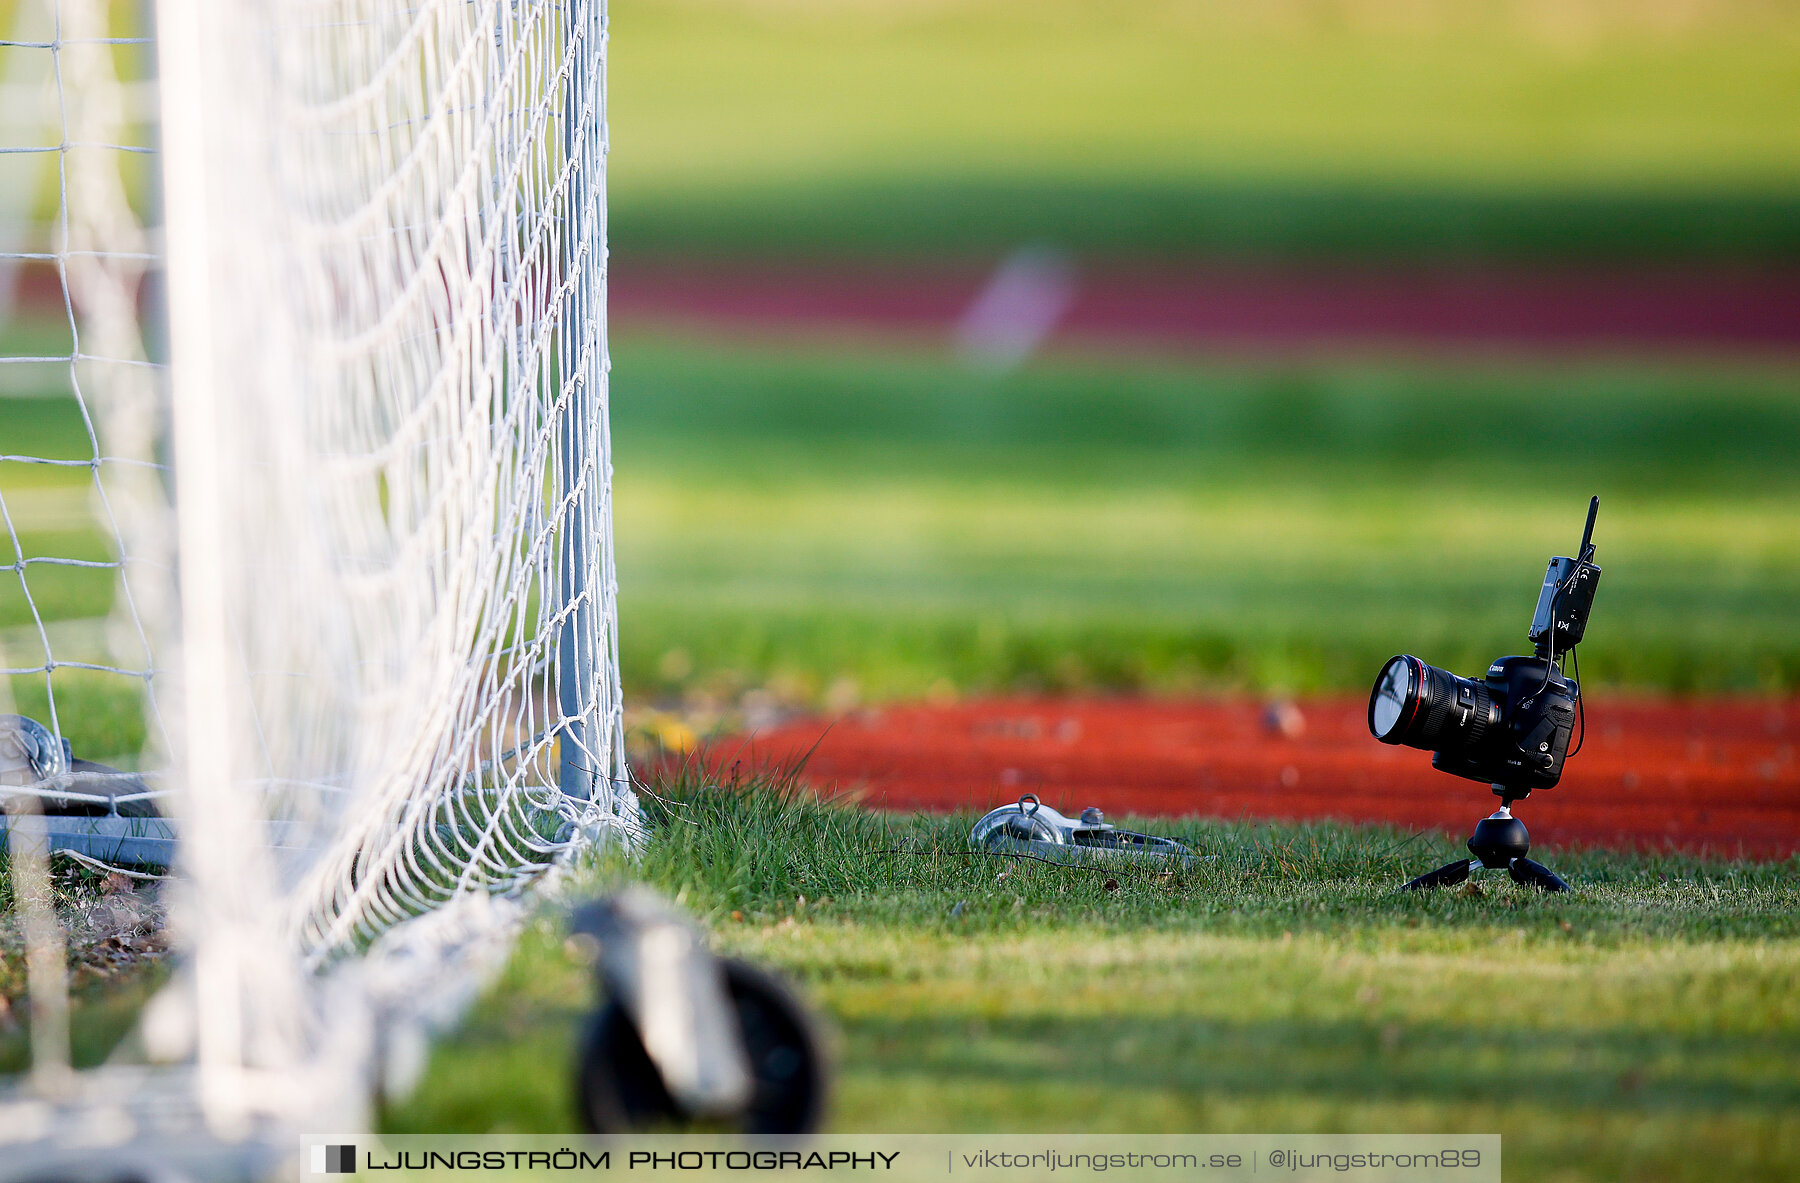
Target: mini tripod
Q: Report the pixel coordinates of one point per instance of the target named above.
(1500, 841)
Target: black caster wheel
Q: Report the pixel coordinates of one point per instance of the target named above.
(619, 1090)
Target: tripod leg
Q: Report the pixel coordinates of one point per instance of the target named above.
(1448, 875)
(1532, 874)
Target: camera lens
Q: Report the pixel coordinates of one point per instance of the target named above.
(1422, 706)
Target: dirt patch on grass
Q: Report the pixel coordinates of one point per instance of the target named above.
(1718, 775)
(117, 949)
(111, 927)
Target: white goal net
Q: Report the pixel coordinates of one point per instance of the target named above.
(357, 529)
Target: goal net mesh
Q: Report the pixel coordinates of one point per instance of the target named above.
(360, 523)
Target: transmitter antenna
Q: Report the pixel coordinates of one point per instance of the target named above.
(1587, 534)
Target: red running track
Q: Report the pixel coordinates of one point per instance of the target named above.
(1216, 304)
(1715, 774)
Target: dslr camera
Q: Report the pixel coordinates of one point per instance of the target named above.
(1511, 728)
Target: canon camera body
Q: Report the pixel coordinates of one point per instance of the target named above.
(1511, 728)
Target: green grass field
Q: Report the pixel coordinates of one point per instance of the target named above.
(1591, 128)
(1645, 1027)
(1501, 93)
(1101, 523)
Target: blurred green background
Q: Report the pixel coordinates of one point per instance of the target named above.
(830, 516)
(1587, 127)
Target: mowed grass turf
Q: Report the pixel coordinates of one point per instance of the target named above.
(1644, 1027)
(1595, 128)
(791, 518)
(1499, 92)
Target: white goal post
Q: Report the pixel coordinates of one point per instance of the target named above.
(365, 546)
